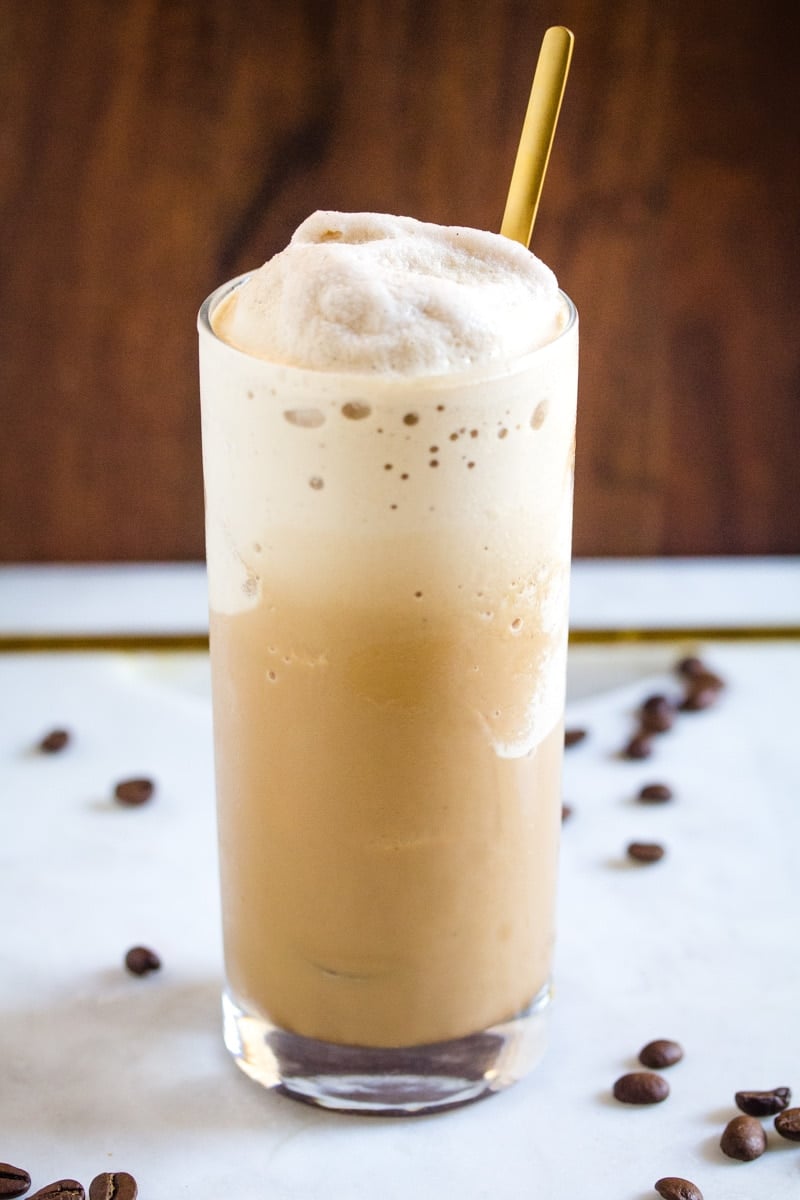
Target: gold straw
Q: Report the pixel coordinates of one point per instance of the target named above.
(537, 135)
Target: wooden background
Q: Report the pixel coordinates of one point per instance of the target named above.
(150, 149)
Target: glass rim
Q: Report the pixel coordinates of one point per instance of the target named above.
(500, 368)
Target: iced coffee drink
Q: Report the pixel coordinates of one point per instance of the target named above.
(388, 439)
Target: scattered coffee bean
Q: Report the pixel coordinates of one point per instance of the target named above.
(13, 1180)
(134, 791)
(787, 1123)
(744, 1139)
(566, 812)
(573, 736)
(698, 699)
(702, 690)
(657, 715)
(640, 746)
(641, 1087)
(763, 1104)
(645, 852)
(54, 741)
(660, 1053)
(116, 1185)
(141, 961)
(690, 666)
(707, 679)
(673, 1188)
(655, 793)
(62, 1189)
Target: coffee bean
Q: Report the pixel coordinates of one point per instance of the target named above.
(655, 793)
(702, 690)
(744, 1139)
(54, 741)
(641, 1087)
(566, 812)
(116, 1185)
(763, 1104)
(673, 1188)
(640, 746)
(645, 852)
(690, 666)
(707, 679)
(141, 961)
(787, 1124)
(62, 1189)
(134, 791)
(13, 1180)
(657, 715)
(699, 698)
(660, 1053)
(573, 736)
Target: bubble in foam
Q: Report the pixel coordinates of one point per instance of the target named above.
(250, 586)
(356, 410)
(539, 415)
(502, 432)
(316, 483)
(272, 676)
(410, 419)
(517, 624)
(305, 418)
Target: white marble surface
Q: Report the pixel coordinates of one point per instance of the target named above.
(606, 594)
(103, 1071)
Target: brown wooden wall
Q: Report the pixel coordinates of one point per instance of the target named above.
(151, 148)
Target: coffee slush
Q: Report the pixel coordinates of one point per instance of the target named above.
(388, 416)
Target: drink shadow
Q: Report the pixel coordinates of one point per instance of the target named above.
(143, 1058)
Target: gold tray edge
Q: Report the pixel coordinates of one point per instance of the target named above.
(198, 642)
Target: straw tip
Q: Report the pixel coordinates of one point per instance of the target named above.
(562, 33)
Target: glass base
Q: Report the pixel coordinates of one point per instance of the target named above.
(405, 1081)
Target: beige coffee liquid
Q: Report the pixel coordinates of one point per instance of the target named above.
(388, 567)
(389, 879)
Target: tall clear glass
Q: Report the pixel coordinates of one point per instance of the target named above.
(388, 564)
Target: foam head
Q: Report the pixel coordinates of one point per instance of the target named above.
(369, 292)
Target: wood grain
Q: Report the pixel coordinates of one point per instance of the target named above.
(150, 149)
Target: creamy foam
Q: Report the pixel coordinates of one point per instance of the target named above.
(368, 292)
